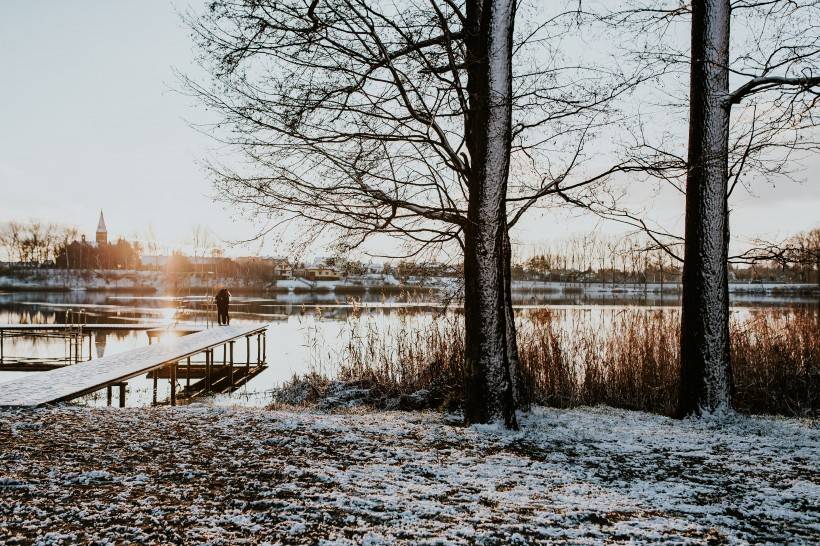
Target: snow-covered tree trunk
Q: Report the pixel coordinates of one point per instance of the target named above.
(705, 369)
(489, 391)
(520, 394)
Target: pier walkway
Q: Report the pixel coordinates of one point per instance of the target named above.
(73, 381)
(75, 334)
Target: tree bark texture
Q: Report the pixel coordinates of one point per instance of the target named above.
(489, 389)
(705, 366)
(520, 394)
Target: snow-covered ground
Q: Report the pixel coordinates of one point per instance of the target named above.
(246, 476)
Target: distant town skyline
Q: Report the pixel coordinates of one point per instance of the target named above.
(91, 118)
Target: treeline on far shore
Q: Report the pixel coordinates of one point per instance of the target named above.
(590, 258)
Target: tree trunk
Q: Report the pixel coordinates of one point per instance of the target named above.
(705, 369)
(489, 392)
(520, 394)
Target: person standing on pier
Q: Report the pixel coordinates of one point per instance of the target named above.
(223, 299)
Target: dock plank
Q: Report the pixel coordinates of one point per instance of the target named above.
(69, 382)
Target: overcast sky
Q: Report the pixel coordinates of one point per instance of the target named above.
(89, 120)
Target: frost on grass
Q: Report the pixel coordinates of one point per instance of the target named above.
(233, 476)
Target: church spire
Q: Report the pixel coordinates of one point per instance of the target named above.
(102, 231)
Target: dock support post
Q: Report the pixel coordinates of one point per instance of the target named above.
(258, 349)
(2, 335)
(224, 354)
(89, 346)
(154, 397)
(248, 354)
(188, 375)
(264, 346)
(108, 396)
(174, 384)
(230, 369)
(122, 394)
(208, 357)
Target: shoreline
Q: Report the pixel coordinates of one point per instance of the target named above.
(522, 288)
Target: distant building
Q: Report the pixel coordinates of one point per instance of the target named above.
(102, 231)
(319, 273)
(282, 269)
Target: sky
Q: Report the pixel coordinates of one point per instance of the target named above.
(91, 118)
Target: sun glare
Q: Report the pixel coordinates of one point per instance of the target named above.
(168, 314)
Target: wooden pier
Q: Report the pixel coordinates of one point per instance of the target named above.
(69, 382)
(75, 336)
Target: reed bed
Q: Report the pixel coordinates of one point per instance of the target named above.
(574, 357)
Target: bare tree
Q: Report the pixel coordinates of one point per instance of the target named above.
(749, 111)
(201, 242)
(31, 242)
(11, 235)
(789, 71)
(406, 120)
(801, 250)
(64, 238)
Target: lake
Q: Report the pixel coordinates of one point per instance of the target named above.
(307, 331)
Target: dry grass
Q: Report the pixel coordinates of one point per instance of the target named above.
(776, 362)
(573, 357)
(409, 358)
(627, 359)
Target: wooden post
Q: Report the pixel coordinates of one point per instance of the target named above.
(2, 335)
(154, 398)
(258, 349)
(224, 354)
(264, 346)
(108, 396)
(174, 384)
(230, 369)
(122, 394)
(208, 357)
(188, 375)
(248, 353)
(89, 345)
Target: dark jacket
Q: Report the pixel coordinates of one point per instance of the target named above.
(223, 297)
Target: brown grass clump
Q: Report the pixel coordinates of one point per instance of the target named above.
(628, 361)
(411, 358)
(572, 357)
(776, 362)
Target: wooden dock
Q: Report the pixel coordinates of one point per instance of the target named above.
(75, 334)
(73, 381)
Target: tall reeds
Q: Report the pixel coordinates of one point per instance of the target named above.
(776, 362)
(569, 357)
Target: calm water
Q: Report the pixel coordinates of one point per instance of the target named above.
(306, 330)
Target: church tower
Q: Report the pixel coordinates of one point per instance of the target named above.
(102, 231)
